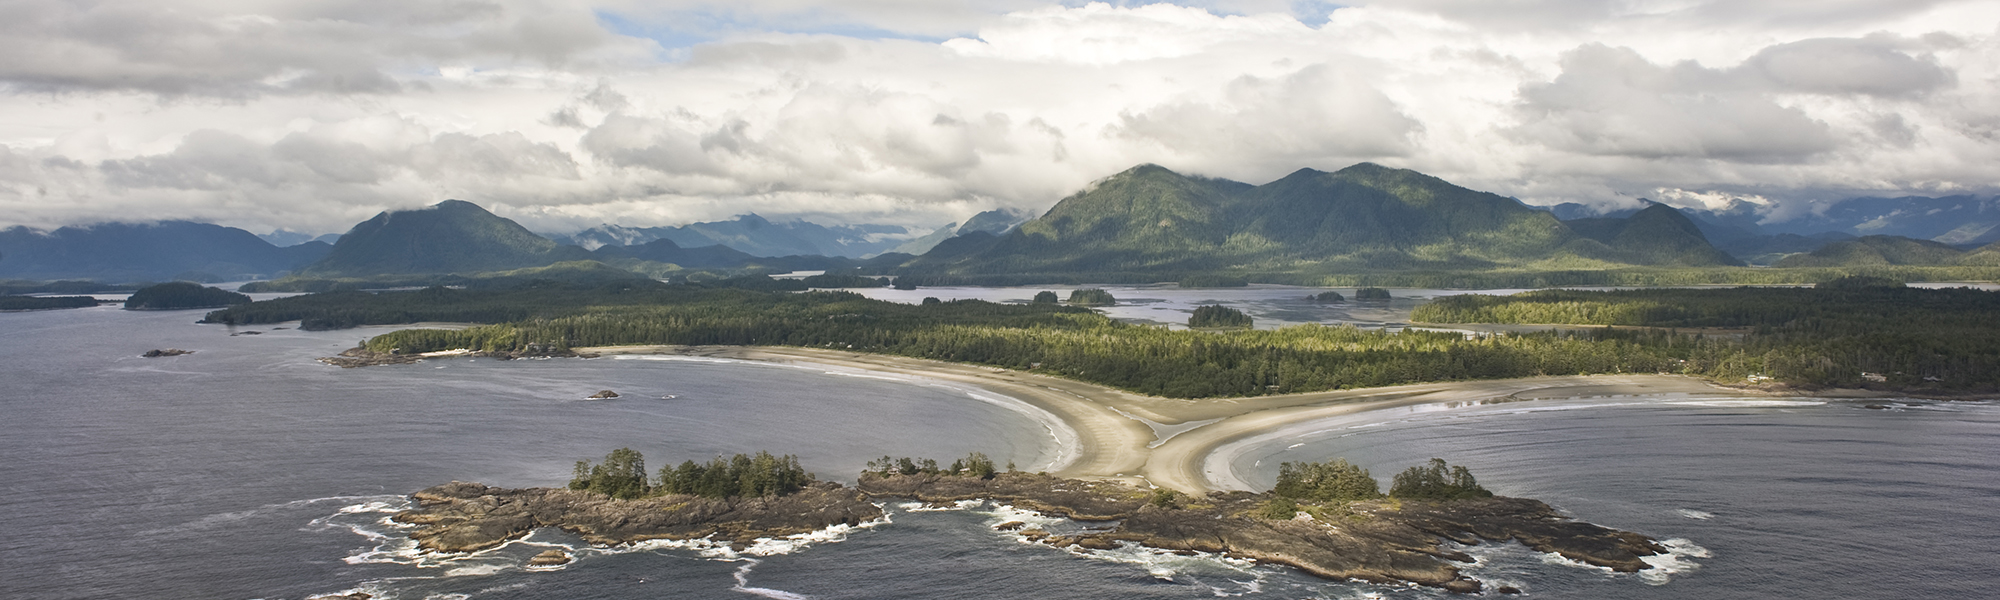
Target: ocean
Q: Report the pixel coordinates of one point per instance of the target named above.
(247, 470)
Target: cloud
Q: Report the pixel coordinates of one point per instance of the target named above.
(1872, 66)
(1320, 114)
(1101, 34)
(233, 49)
(310, 115)
(1612, 101)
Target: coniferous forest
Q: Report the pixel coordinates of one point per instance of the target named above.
(1941, 340)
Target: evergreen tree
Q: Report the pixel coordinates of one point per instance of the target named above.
(1334, 481)
(1437, 481)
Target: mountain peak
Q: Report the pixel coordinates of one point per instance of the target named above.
(453, 236)
(458, 205)
(1362, 168)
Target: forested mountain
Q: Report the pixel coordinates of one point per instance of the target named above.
(1656, 235)
(1363, 218)
(1876, 250)
(1740, 227)
(452, 236)
(996, 222)
(163, 251)
(754, 235)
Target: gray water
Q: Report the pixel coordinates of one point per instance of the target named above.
(247, 470)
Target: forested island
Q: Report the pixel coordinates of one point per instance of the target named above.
(1327, 519)
(182, 295)
(45, 302)
(1935, 341)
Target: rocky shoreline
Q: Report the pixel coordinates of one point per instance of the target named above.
(1386, 541)
(469, 517)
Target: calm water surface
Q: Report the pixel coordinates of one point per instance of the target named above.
(247, 470)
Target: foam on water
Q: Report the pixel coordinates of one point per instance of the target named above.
(743, 584)
(1674, 562)
(1695, 514)
(928, 507)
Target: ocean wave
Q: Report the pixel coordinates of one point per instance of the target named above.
(1695, 514)
(1674, 562)
(930, 507)
(221, 519)
(743, 584)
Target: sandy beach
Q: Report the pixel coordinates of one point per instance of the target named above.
(1172, 442)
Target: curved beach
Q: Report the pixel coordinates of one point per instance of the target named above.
(1172, 442)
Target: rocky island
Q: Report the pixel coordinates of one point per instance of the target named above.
(1378, 541)
(468, 517)
(1325, 519)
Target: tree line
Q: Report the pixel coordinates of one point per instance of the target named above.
(1924, 339)
(623, 475)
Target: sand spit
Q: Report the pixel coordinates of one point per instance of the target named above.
(1115, 441)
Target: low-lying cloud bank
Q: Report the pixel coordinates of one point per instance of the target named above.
(310, 116)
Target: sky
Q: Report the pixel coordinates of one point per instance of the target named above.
(312, 115)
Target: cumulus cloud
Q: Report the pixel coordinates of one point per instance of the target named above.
(310, 116)
(1611, 101)
(1874, 66)
(1317, 115)
(245, 49)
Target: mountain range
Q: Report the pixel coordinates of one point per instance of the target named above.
(1362, 218)
(1148, 221)
(993, 222)
(753, 235)
(167, 250)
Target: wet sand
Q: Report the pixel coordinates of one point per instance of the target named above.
(1119, 433)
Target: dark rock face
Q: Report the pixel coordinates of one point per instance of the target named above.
(166, 352)
(1376, 541)
(467, 517)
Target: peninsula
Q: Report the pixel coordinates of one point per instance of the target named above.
(1149, 464)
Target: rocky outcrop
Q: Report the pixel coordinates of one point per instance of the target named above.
(550, 558)
(1072, 498)
(604, 395)
(467, 517)
(166, 352)
(1378, 541)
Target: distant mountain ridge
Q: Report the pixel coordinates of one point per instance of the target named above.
(754, 235)
(162, 251)
(1891, 250)
(1748, 231)
(996, 222)
(1362, 218)
(453, 236)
